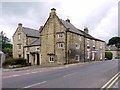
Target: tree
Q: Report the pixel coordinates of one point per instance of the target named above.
(114, 40)
(5, 44)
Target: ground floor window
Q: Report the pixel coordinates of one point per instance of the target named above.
(77, 57)
(19, 56)
(101, 56)
(93, 55)
(88, 53)
(51, 58)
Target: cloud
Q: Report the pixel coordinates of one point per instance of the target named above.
(108, 26)
(97, 15)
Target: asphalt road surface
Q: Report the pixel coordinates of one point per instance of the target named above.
(84, 75)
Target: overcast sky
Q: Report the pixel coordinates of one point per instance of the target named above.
(100, 16)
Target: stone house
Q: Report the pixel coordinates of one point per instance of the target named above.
(115, 51)
(57, 42)
(26, 44)
(61, 42)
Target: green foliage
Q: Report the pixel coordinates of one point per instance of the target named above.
(16, 61)
(5, 44)
(114, 40)
(108, 55)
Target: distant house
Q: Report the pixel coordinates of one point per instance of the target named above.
(114, 50)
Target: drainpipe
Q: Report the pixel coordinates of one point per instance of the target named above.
(66, 54)
(84, 50)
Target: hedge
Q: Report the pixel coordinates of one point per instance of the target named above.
(16, 61)
(108, 55)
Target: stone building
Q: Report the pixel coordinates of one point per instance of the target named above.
(115, 51)
(61, 42)
(26, 44)
(57, 42)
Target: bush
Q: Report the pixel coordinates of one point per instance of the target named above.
(108, 55)
(16, 61)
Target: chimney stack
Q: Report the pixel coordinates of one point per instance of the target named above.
(53, 12)
(19, 24)
(86, 30)
(68, 20)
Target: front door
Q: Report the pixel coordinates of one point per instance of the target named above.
(27, 58)
(38, 63)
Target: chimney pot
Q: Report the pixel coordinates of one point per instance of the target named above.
(86, 30)
(19, 24)
(68, 20)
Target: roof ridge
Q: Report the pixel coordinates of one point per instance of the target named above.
(31, 28)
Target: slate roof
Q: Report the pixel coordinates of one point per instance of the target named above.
(73, 29)
(70, 27)
(31, 32)
(111, 48)
(36, 42)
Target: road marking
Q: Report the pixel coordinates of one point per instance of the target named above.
(111, 81)
(15, 75)
(35, 84)
(34, 72)
(69, 75)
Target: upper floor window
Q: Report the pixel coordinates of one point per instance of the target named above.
(60, 45)
(80, 38)
(77, 57)
(60, 35)
(77, 46)
(37, 48)
(19, 36)
(19, 46)
(100, 45)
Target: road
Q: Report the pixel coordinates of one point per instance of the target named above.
(84, 75)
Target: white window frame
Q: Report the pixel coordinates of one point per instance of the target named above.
(51, 58)
(77, 46)
(19, 46)
(101, 56)
(19, 36)
(100, 45)
(80, 38)
(88, 53)
(37, 48)
(78, 57)
(93, 43)
(60, 44)
(60, 35)
(93, 55)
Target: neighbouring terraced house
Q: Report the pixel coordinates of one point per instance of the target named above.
(57, 42)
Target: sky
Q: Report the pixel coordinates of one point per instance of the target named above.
(100, 16)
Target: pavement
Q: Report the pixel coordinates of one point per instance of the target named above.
(85, 75)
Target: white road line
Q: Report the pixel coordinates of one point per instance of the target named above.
(34, 72)
(35, 84)
(69, 75)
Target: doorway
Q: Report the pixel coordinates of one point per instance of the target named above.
(38, 58)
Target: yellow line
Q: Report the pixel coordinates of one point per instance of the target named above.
(109, 81)
(113, 81)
